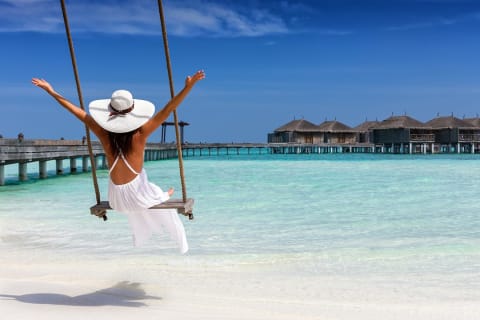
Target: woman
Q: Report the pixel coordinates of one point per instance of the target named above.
(123, 125)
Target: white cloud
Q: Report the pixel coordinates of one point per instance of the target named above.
(29, 15)
(184, 18)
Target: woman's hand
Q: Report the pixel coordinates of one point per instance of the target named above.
(154, 122)
(191, 80)
(42, 83)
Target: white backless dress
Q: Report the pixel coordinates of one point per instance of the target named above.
(134, 200)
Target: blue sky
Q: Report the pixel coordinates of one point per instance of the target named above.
(267, 62)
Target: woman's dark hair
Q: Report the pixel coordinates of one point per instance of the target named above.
(121, 142)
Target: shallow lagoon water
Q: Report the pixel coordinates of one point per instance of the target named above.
(401, 220)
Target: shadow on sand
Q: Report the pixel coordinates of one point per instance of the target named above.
(124, 294)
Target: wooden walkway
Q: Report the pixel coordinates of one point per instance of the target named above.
(210, 149)
(22, 152)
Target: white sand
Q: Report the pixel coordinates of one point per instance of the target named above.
(38, 287)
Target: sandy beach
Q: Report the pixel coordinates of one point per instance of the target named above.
(131, 289)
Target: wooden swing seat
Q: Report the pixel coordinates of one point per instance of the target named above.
(182, 207)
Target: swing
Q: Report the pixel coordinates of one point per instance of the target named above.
(183, 206)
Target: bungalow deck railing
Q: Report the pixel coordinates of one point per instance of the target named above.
(424, 137)
(470, 137)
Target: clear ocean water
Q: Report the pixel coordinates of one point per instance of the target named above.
(351, 215)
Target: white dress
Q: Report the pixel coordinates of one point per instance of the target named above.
(135, 198)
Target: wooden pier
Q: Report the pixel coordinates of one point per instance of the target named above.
(216, 149)
(211, 149)
(22, 152)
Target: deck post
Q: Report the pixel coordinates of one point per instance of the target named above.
(104, 161)
(2, 174)
(97, 161)
(42, 169)
(458, 147)
(85, 163)
(59, 166)
(73, 165)
(473, 147)
(22, 171)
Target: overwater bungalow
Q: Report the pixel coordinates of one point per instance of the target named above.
(454, 135)
(396, 134)
(365, 131)
(295, 131)
(403, 134)
(335, 132)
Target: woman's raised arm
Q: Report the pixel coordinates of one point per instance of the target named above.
(75, 110)
(157, 120)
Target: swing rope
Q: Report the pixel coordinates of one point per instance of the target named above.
(172, 94)
(80, 98)
(185, 206)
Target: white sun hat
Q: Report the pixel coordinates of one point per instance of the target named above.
(121, 113)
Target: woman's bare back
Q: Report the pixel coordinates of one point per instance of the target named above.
(121, 173)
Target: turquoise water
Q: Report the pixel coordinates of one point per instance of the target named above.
(348, 214)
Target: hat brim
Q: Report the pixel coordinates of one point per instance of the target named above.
(100, 111)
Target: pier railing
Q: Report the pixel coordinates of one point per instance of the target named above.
(22, 152)
(16, 151)
(469, 137)
(425, 137)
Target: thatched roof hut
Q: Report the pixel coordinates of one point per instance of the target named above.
(401, 130)
(449, 122)
(452, 130)
(364, 131)
(336, 132)
(298, 126)
(395, 122)
(474, 121)
(333, 126)
(366, 126)
(299, 131)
